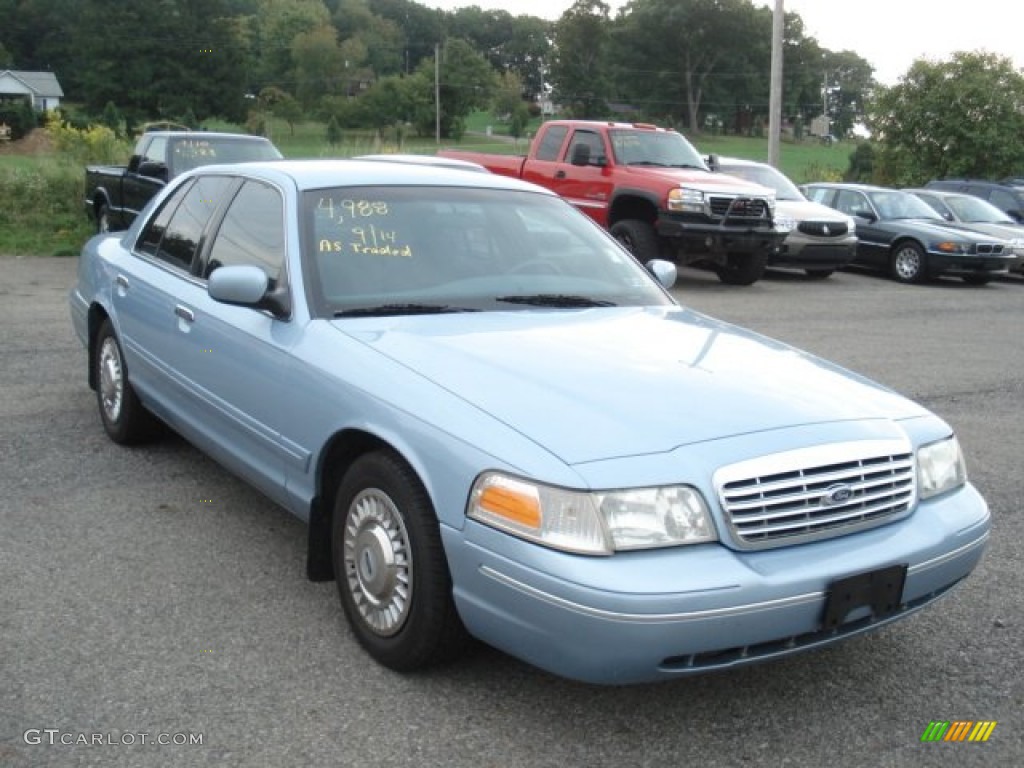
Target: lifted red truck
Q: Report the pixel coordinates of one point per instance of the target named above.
(653, 191)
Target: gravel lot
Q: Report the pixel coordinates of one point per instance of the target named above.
(147, 591)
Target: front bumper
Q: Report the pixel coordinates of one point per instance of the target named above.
(697, 237)
(804, 252)
(661, 614)
(966, 264)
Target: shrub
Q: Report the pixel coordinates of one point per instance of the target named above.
(95, 144)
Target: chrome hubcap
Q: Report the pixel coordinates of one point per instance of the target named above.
(908, 263)
(378, 562)
(111, 380)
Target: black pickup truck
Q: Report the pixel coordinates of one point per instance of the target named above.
(114, 194)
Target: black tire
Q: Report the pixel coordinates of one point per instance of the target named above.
(103, 219)
(909, 263)
(742, 268)
(124, 418)
(977, 279)
(638, 237)
(390, 566)
(818, 274)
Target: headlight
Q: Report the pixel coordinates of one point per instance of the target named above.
(785, 223)
(595, 523)
(683, 199)
(940, 467)
(952, 246)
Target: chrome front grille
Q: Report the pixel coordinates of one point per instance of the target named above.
(816, 493)
(738, 207)
(990, 248)
(823, 228)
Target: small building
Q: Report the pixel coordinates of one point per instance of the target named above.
(40, 88)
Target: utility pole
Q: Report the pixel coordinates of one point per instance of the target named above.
(775, 98)
(437, 93)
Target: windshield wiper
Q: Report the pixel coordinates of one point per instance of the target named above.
(556, 300)
(401, 309)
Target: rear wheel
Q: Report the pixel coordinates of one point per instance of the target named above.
(908, 263)
(124, 417)
(742, 268)
(638, 237)
(103, 218)
(390, 566)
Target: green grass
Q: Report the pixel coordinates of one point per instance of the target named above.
(44, 207)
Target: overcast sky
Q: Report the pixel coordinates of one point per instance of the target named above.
(890, 34)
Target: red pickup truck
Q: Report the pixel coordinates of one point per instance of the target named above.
(653, 191)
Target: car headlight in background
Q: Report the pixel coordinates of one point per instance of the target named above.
(940, 467)
(952, 246)
(683, 199)
(785, 223)
(595, 523)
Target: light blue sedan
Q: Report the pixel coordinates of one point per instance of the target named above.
(499, 425)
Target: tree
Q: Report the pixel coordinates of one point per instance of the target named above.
(467, 82)
(579, 70)
(320, 65)
(959, 117)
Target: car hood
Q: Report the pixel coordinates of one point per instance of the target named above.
(1003, 231)
(806, 210)
(937, 229)
(705, 181)
(603, 383)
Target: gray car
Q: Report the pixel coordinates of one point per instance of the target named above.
(821, 240)
(980, 215)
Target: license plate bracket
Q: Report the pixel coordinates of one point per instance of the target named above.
(880, 590)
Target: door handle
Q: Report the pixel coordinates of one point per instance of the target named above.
(559, 174)
(121, 281)
(184, 313)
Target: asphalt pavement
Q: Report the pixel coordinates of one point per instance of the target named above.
(146, 595)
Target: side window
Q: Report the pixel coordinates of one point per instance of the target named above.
(156, 152)
(149, 241)
(849, 202)
(181, 235)
(551, 143)
(252, 232)
(592, 140)
(821, 195)
(1003, 200)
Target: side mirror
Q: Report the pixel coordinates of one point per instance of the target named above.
(580, 155)
(713, 162)
(865, 214)
(247, 286)
(153, 170)
(664, 271)
(948, 216)
(1017, 216)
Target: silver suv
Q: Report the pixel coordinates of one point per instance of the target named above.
(820, 240)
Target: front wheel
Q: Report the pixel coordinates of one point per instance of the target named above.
(742, 268)
(638, 237)
(390, 566)
(909, 264)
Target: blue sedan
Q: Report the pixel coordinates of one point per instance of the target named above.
(500, 426)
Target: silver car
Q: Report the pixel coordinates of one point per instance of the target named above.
(821, 240)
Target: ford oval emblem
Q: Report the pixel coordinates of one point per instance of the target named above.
(840, 493)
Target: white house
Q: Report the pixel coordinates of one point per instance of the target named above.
(41, 88)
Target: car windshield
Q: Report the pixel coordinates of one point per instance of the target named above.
(976, 211)
(666, 149)
(189, 153)
(766, 176)
(893, 204)
(420, 250)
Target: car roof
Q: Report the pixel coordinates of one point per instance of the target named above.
(206, 135)
(431, 160)
(320, 173)
(849, 185)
